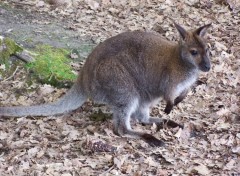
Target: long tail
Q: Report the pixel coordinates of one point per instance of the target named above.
(71, 101)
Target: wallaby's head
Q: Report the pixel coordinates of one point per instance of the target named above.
(194, 48)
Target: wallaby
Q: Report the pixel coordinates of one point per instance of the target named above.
(129, 72)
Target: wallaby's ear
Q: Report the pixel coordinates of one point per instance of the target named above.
(181, 30)
(202, 30)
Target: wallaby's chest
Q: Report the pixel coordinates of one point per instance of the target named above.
(185, 84)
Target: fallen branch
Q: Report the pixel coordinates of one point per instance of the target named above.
(9, 47)
(24, 56)
(11, 75)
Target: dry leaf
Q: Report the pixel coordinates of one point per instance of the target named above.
(46, 89)
(202, 169)
(230, 165)
(40, 4)
(236, 150)
(223, 111)
(119, 161)
(32, 152)
(25, 165)
(234, 5)
(94, 5)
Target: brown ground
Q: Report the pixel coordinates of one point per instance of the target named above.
(73, 144)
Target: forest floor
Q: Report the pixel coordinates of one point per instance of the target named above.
(77, 144)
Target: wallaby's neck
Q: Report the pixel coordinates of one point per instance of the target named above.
(180, 74)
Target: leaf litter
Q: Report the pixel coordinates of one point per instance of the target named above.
(73, 144)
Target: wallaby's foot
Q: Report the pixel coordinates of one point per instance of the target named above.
(115, 131)
(172, 124)
(122, 130)
(152, 141)
(168, 123)
(161, 122)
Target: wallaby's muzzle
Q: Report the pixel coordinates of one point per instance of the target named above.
(205, 65)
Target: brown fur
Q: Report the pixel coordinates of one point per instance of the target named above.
(129, 72)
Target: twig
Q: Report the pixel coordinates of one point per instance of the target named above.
(104, 173)
(11, 75)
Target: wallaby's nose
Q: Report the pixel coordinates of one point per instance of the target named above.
(206, 67)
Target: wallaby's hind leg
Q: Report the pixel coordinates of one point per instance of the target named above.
(119, 91)
(142, 114)
(121, 116)
(121, 120)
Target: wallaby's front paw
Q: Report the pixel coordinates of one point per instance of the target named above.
(168, 109)
(152, 141)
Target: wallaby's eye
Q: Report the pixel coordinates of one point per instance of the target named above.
(194, 52)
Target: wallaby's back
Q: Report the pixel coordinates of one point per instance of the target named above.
(147, 62)
(140, 55)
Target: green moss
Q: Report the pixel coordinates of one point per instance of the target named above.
(7, 48)
(52, 66)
